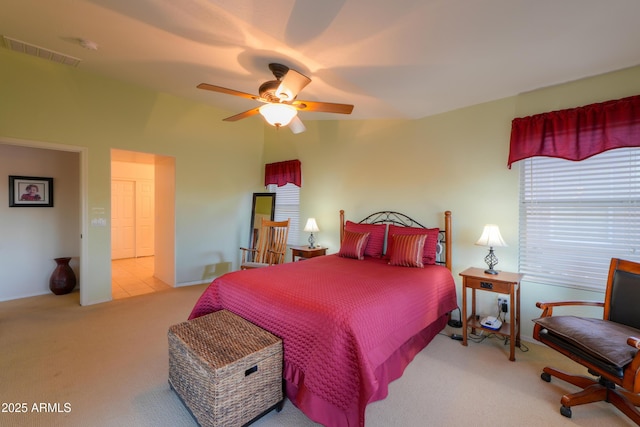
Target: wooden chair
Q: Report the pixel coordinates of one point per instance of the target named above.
(271, 245)
(607, 347)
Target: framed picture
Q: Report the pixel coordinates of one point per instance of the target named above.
(30, 191)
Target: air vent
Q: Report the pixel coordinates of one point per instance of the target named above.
(40, 52)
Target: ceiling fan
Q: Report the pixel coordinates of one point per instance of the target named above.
(280, 106)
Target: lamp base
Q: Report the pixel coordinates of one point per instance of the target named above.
(491, 261)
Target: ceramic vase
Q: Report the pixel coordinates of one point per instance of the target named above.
(63, 279)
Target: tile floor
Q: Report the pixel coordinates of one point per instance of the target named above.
(134, 276)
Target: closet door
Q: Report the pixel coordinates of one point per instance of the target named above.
(123, 219)
(144, 218)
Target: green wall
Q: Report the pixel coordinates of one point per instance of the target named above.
(218, 165)
(453, 161)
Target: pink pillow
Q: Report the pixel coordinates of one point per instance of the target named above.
(430, 245)
(376, 239)
(353, 244)
(408, 250)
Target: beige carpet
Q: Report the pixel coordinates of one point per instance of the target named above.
(106, 365)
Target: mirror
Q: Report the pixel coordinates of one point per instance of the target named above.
(264, 206)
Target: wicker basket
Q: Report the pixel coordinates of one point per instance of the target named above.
(226, 370)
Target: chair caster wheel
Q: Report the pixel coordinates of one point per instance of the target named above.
(545, 377)
(565, 411)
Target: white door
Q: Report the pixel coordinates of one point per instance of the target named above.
(123, 220)
(144, 218)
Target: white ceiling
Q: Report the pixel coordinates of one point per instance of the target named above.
(391, 59)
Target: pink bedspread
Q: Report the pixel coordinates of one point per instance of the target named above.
(342, 321)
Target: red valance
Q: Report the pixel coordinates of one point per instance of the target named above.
(577, 133)
(281, 173)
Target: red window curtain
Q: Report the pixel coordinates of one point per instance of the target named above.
(577, 133)
(282, 173)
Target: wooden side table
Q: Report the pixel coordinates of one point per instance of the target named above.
(502, 283)
(305, 252)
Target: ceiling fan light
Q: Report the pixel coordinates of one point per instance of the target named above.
(278, 114)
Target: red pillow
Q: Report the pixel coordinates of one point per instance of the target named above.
(353, 244)
(376, 238)
(408, 250)
(430, 245)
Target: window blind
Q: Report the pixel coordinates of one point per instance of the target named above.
(288, 206)
(576, 216)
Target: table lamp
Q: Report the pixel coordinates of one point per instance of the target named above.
(491, 237)
(311, 227)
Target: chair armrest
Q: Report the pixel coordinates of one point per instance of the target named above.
(631, 373)
(248, 249)
(547, 307)
(245, 251)
(276, 257)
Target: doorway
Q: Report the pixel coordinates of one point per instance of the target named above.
(142, 218)
(43, 234)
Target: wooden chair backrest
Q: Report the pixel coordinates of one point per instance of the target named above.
(272, 242)
(622, 296)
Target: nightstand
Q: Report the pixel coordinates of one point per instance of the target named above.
(502, 283)
(305, 252)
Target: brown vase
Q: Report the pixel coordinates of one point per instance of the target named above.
(63, 279)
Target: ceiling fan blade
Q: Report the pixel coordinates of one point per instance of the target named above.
(296, 125)
(292, 83)
(221, 89)
(323, 107)
(243, 115)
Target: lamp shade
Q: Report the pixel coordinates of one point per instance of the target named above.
(278, 114)
(491, 237)
(311, 226)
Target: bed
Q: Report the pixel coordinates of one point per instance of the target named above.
(350, 322)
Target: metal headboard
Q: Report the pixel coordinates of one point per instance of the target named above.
(391, 217)
(443, 252)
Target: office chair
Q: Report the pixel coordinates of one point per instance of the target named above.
(607, 347)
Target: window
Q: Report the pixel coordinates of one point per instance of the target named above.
(288, 206)
(576, 216)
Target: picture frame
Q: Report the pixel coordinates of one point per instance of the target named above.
(30, 191)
